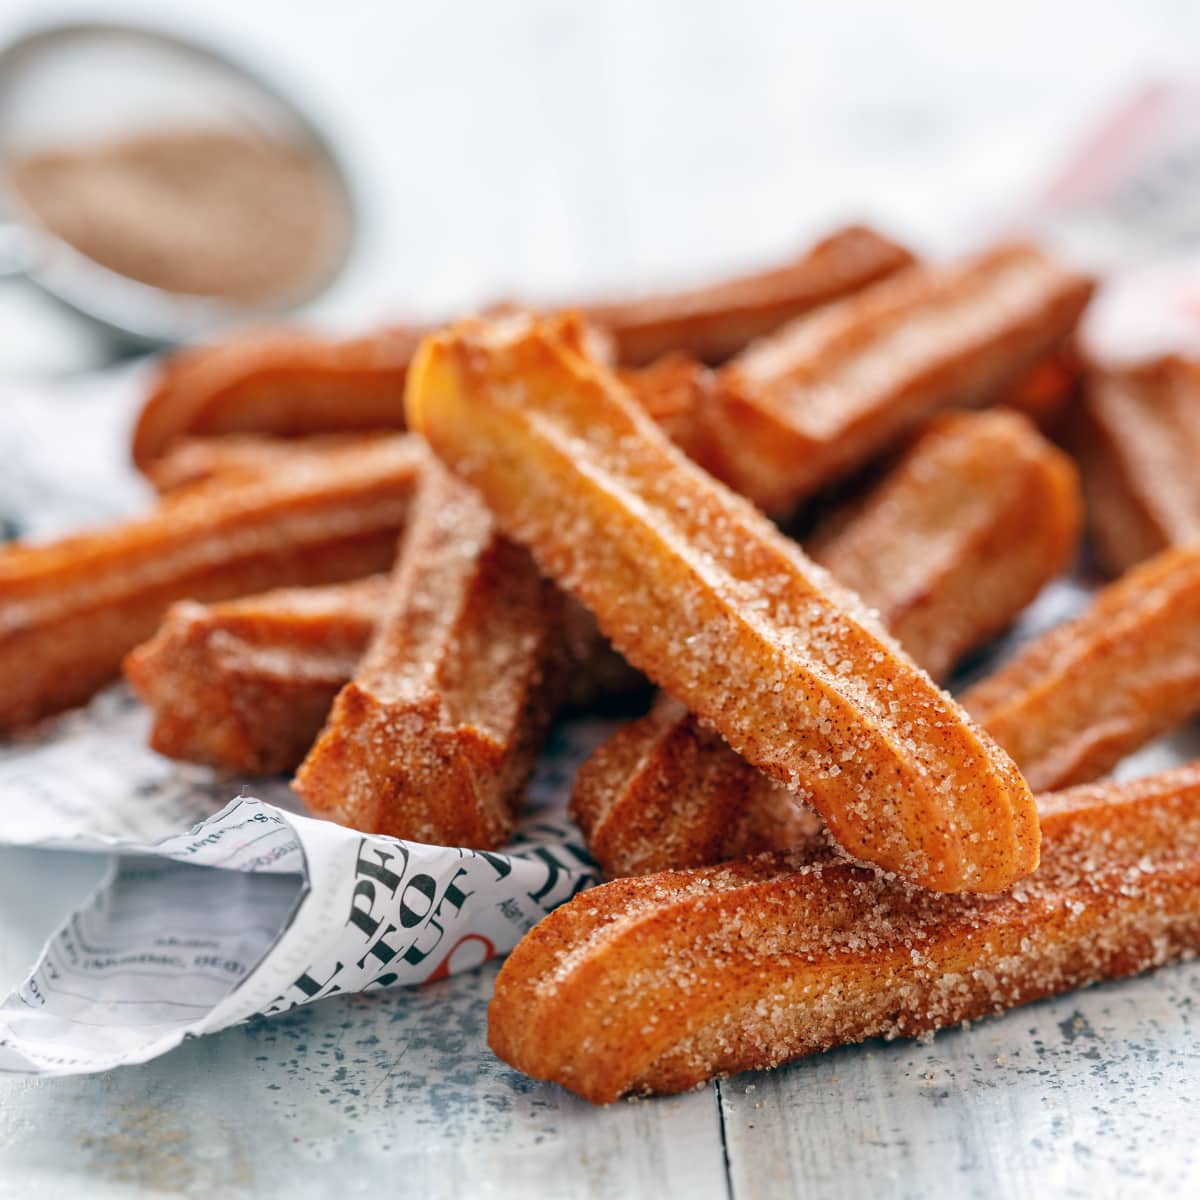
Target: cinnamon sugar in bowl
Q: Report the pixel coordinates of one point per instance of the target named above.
(204, 212)
(159, 187)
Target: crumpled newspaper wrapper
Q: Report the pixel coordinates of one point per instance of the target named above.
(252, 908)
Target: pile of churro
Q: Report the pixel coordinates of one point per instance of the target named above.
(765, 520)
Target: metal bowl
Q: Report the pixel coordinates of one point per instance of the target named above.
(72, 82)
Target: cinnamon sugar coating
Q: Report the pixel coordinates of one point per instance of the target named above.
(659, 983)
(1077, 700)
(664, 792)
(245, 685)
(826, 393)
(974, 520)
(70, 610)
(434, 737)
(1138, 445)
(700, 591)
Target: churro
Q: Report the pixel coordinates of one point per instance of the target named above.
(976, 518)
(1077, 700)
(1138, 445)
(664, 792)
(700, 591)
(826, 393)
(70, 610)
(244, 457)
(710, 324)
(245, 685)
(659, 983)
(678, 393)
(284, 383)
(434, 737)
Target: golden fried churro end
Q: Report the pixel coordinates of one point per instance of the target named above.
(436, 734)
(245, 685)
(1075, 701)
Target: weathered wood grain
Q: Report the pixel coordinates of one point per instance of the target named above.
(393, 1093)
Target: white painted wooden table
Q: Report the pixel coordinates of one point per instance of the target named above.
(540, 147)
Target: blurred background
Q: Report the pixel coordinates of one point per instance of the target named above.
(550, 149)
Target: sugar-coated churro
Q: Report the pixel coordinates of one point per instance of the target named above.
(979, 514)
(70, 610)
(976, 518)
(1077, 700)
(658, 983)
(699, 590)
(710, 324)
(247, 457)
(245, 685)
(664, 792)
(434, 737)
(828, 392)
(284, 383)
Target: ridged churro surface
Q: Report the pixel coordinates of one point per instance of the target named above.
(245, 685)
(434, 737)
(1077, 700)
(282, 383)
(976, 518)
(658, 983)
(700, 591)
(70, 610)
(710, 324)
(826, 393)
(289, 383)
(964, 531)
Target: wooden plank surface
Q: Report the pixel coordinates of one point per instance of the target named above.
(1091, 1094)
